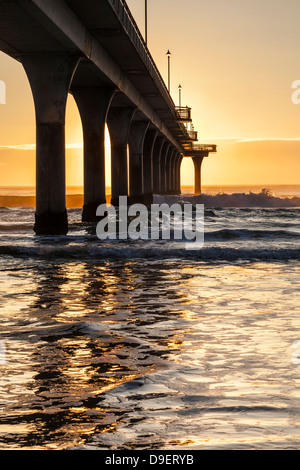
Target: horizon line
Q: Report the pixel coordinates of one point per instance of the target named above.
(79, 145)
(183, 185)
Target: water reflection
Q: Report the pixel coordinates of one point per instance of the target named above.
(84, 333)
(140, 354)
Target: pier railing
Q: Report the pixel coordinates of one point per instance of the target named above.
(132, 29)
(184, 114)
(204, 148)
(193, 135)
(181, 114)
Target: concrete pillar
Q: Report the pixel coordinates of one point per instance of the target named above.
(168, 165)
(158, 146)
(167, 169)
(173, 175)
(137, 134)
(93, 104)
(178, 174)
(197, 165)
(50, 76)
(163, 162)
(149, 143)
(119, 121)
(170, 171)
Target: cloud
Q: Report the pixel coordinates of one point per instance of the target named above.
(260, 141)
(33, 146)
(18, 147)
(251, 139)
(270, 139)
(233, 140)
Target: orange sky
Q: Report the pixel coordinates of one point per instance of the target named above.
(236, 61)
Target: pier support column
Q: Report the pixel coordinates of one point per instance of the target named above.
(149, 143)
(119, 121)
(158, 146)
(178, 174)
(50, 76)
(197, 165)
(163, 167)
(178, 178)
(93, 104)
(170, 171)
(137, 134)
(173, 175)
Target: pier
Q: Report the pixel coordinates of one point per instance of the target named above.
(95, 51)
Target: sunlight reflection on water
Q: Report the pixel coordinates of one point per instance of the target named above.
(142, 354)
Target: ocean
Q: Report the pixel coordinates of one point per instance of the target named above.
(143, 345)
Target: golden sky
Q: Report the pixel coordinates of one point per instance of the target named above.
(236, 61)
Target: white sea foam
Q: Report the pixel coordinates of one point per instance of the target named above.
(261, 199)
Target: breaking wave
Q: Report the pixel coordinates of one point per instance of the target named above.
(146, 252)
(238, 226)
(265, 198)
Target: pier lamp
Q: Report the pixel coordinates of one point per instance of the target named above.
(179, 89)
(169, 67)
(146, 21)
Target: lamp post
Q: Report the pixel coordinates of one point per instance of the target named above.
(180, 88)
(169, 69)
(146, 21)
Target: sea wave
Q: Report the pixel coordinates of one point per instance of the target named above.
(263, 199)
(248, 234)
(232, 233)
(215, 253)
(15, 228)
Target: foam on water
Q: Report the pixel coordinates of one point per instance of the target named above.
(230, 234)
(255, 200)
